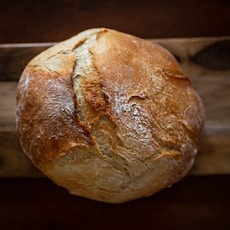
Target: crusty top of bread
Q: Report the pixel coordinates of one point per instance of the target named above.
(108, 115)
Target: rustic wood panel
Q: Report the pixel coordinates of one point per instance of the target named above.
(13, 162)
(210, 76)
(7, 105)
(14, 57)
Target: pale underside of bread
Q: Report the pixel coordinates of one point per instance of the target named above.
(128, 125)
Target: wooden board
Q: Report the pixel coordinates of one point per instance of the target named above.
(205, 60)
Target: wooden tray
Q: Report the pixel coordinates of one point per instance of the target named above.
(205, 60)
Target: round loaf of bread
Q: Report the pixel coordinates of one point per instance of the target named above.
(108, 116)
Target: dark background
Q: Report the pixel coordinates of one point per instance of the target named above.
(51, 21)
(197, 202)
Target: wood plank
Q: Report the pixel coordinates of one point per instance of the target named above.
(13, 162)
(211, 80)
(7, 105)
(14, 57)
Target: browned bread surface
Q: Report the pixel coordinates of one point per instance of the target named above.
(109, 116)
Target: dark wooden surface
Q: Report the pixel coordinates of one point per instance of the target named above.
(45, 21)
(197, 202)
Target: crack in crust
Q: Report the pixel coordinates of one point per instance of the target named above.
(96, 100)
(92, 104)
(112, 117)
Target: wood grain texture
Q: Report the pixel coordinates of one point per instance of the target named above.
(212, 84)
(7, 105)
(215, 56)
(14, 58)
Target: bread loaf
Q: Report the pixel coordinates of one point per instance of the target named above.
(109, 116)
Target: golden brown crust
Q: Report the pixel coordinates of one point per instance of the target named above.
(46, 105)
(46, 111)
(109, 116)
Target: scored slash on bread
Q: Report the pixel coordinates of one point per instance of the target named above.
(109, 116)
